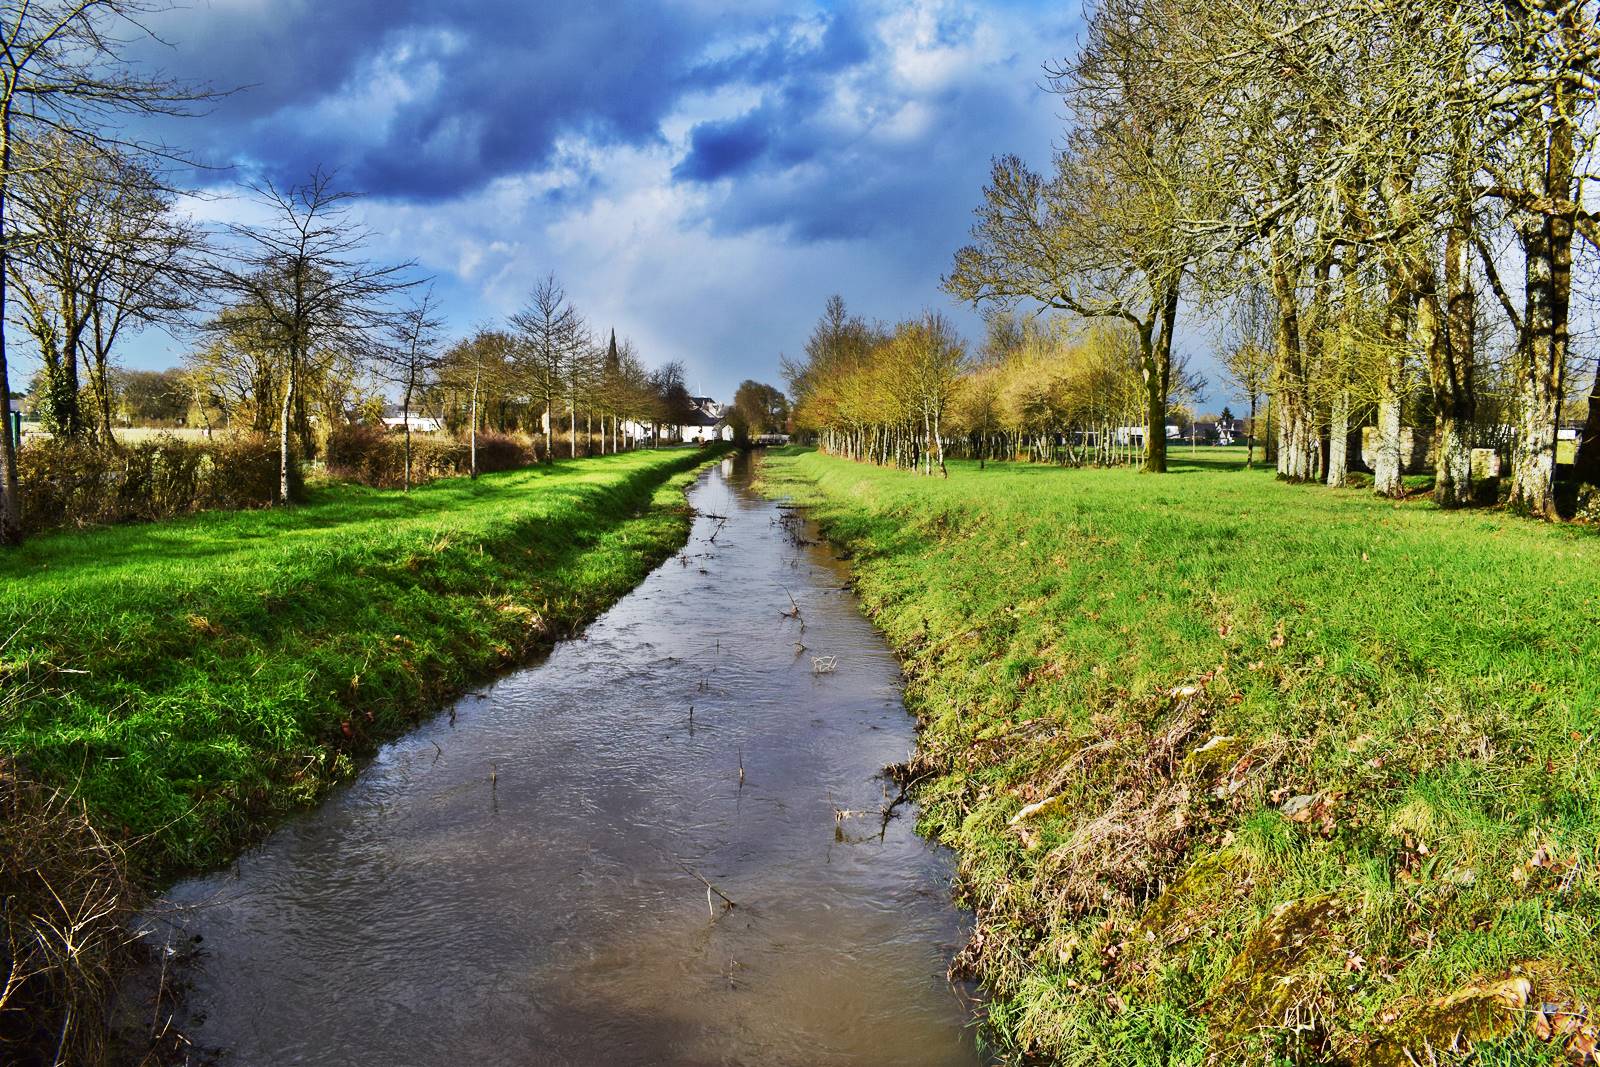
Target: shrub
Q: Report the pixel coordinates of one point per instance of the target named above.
(78, 484)
(374, 456)
(504, 452)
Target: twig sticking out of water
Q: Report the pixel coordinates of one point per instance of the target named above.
(741, 767)
(824, 664)
(794, 611)
(726, 899)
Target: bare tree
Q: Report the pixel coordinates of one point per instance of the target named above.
(926, 359)
(1247, 359)
(304, 289)
(481, 363)
(553, 336)
(1102, 238)
(63, 67)
(671, 403)
(411, 360)
(1543, 95)
(109, 255)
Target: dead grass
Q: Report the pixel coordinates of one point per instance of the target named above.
(64, 898)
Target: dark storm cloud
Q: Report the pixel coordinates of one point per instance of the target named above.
(475, 90)
(425, 101)
(723, 149)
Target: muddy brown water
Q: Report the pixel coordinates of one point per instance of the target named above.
(519, 882)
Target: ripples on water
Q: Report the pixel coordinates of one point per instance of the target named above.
(518, 886)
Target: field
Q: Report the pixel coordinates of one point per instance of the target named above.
(190, 679)
(1243, 771)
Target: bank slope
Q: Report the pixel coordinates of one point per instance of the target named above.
(189, 679)
(1244, 771)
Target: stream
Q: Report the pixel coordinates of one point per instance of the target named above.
(523, 880)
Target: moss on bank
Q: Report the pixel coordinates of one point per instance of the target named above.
(1240, 771)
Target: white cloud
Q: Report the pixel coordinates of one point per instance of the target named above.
(407, 70)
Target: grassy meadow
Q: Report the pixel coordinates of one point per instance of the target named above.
(1243, 771)
(189, 679)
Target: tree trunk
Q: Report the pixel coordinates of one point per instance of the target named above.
(1454, 391)
(1290, 398)
(1541, 366)
(10, 489)
(1250, 438)
(1339, 438)
(1540, 372)
(1156, 355)
(283, 437)
(405, 415)
(472, 435)
(1386, 463)
(99, 366)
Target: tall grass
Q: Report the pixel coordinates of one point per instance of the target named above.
(1239, 769)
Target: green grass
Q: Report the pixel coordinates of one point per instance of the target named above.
(1426, 682)
(190, 679)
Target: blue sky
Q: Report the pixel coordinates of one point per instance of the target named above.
(700, 176)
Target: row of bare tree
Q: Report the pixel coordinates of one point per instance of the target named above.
(1403, 181)
(1055, 390)
(871, 392)
(299, 329)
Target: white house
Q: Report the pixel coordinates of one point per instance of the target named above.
(394, 418)
(707, 421)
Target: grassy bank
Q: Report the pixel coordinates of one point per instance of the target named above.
(190, 679)
(1240, 771)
